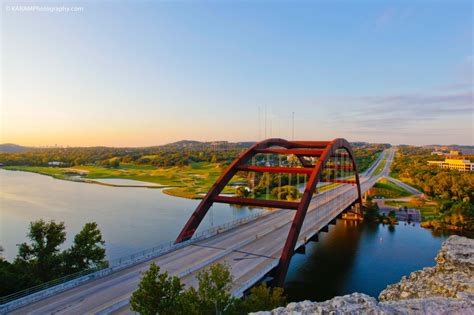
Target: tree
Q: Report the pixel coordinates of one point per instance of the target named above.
(263, 298)
(87, 251)
(371, 211)
(417, 201)
(8, 278)
(286, 192)
(242, 191)
(114, 163)
(392, 217)
(41, 259)
(213, 294)
(11, 280)
(157, 293)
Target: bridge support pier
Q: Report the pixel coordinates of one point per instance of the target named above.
(314, 238)
(301, 250)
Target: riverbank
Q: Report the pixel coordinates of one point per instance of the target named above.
(447, 288)
(186, 182)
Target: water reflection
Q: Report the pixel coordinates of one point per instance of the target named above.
(131, 219)
(360, 257)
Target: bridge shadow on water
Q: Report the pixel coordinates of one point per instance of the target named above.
(322, 271)
(360, 257)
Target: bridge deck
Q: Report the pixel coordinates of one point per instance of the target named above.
(251, 250)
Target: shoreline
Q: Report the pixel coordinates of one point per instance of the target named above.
(96, 182)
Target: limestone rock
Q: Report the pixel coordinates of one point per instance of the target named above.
(355, 303)
(431, 306)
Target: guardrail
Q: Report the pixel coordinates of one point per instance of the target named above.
(67, 282)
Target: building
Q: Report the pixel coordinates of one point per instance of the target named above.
(454, 164)
(450, 153)
(55, 163)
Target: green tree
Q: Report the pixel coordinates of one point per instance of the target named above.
(157, 293)
(8, 277)
(213, 294)
(114, 163)
(263, 298)
(242, 191)
(286, 193)
(392, 217)
(87, 251)
(41, 259)
(371, 210)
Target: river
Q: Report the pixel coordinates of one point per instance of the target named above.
(131, 219)
(351, 257)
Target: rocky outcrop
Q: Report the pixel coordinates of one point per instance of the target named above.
(357, 303)
(452, 277)
(447, 288)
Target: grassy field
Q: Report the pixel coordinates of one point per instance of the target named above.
(386, 189)
(191, 181)
(328, 186)
(187, 181)
(428, 210)
(381, 166)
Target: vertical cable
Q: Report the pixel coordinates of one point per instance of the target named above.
(279, 177)
(268, 179)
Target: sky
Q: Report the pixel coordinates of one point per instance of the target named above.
(139, 73)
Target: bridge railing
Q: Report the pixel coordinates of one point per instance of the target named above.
(81, 277)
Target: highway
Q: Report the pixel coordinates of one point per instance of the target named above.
(251, 250)
(403, 185)
(386, 174)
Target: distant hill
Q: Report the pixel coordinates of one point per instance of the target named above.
(184, 143)
(192, 144)
(12, 148)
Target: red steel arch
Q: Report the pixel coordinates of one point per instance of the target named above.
(324, 150)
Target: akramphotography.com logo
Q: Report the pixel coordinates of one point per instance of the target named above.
(44, 9)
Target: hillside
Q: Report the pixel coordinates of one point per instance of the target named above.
(12, 148)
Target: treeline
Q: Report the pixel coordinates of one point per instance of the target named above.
(412, 163)
(178, 154)
(42, 260)
(366, 154)
(160, 293)
(453, 189)
(112, 157)
(372, 213)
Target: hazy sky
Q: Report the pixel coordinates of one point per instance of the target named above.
(146, 73)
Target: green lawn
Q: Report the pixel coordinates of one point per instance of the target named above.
(187, 181)
(328, 186)
(387, 189)
(381, 166)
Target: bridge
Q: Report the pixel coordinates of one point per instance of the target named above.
(254, 249)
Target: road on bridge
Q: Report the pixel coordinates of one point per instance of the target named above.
(251, 250)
